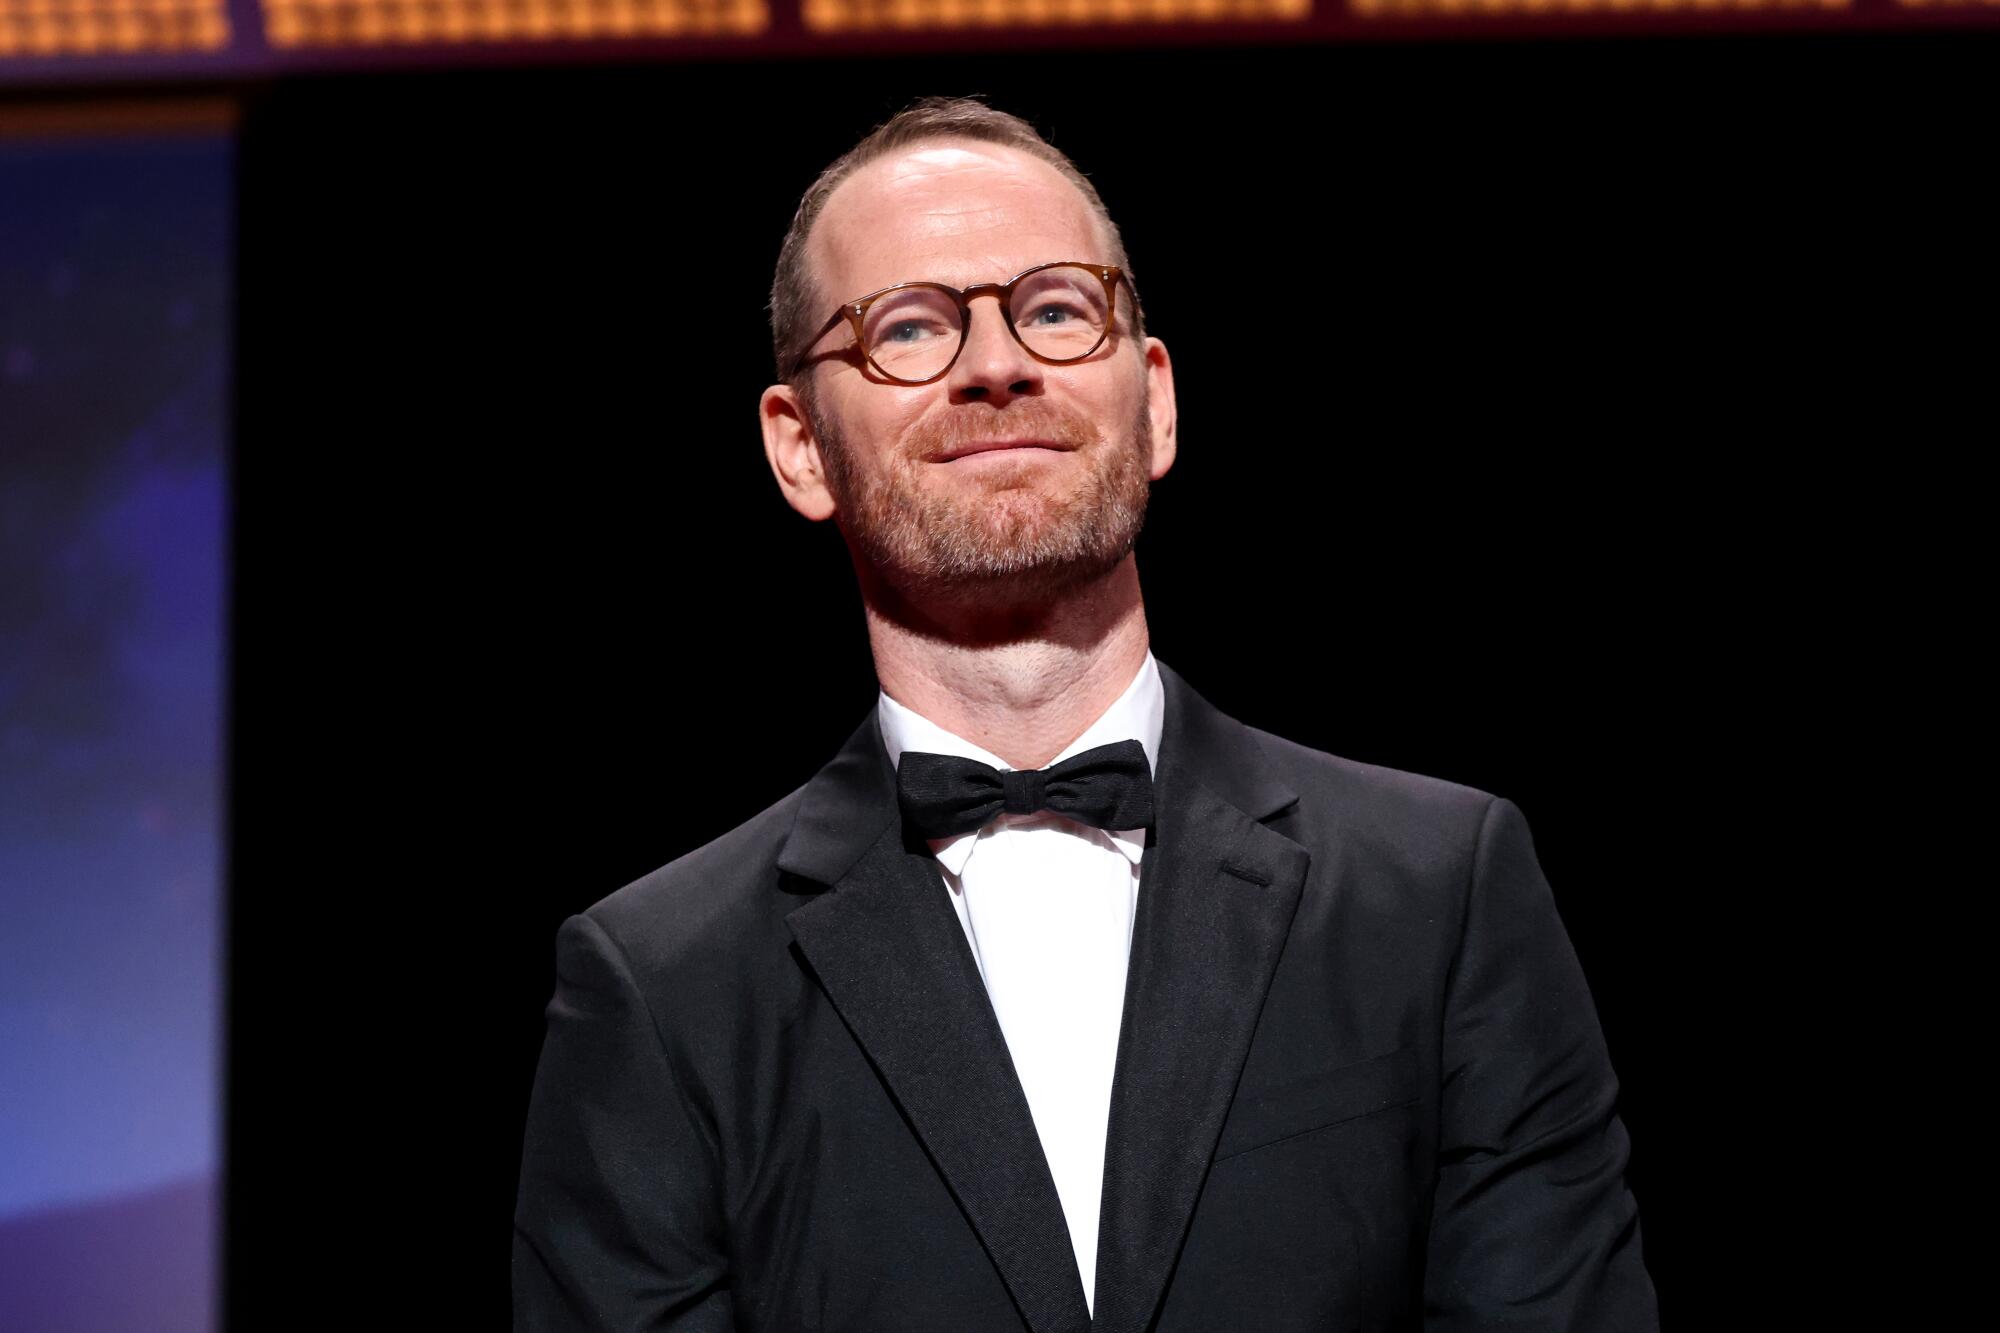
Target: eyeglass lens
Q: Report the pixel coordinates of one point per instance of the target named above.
(1059, 313)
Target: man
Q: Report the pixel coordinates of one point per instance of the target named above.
(1058, 1000)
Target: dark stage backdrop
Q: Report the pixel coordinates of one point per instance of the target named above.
(1505, 374)
(115, 341)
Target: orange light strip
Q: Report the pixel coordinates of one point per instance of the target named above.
(111, 27)
(335, 23)
(876, 15)
(1474, 8)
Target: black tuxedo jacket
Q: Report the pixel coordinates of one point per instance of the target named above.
(1359, 1086)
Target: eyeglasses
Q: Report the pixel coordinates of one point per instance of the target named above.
(912, 333)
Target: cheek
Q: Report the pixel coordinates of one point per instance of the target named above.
(1127, 402)
(1119, 390)
(876, 424)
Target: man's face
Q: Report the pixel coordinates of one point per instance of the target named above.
(1004, 525)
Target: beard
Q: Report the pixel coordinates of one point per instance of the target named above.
(1005, 533)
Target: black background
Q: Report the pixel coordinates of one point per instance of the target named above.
(1510, 382)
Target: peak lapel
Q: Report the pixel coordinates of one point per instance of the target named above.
(893, 959)
(1217, 894)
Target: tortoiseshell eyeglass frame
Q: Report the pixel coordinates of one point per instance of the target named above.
(855, 312)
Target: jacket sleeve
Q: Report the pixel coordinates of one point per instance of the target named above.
(1532, 1226)
(619, 1222)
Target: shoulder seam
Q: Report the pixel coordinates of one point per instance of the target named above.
(1465, 900)
(683, 1077)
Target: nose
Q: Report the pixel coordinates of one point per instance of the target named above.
(993, 366)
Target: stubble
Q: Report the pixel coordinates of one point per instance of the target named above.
(1017, 534)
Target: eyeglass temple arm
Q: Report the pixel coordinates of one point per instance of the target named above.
(797, 358)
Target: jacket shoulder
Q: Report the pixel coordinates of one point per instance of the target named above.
(708, 910)
(1394, 789)
(1418, 822)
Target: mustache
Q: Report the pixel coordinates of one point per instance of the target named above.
(961, 426)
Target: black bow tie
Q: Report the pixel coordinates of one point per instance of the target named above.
(1110, 787)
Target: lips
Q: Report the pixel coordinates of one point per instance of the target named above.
(987, 446)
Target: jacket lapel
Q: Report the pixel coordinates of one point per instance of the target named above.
(892, 957)
(1217, 893)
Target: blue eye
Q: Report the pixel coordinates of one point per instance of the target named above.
(1061, 315)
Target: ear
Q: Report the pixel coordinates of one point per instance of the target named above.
(794, 452)
(1160, 402)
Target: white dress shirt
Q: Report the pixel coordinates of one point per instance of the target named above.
(1047, 905)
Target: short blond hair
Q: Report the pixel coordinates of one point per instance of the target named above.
(797, 304)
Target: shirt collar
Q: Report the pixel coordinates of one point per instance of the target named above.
(1137, 714)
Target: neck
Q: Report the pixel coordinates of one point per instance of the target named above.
(1021, 678)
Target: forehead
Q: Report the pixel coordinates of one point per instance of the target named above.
(956, 211)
